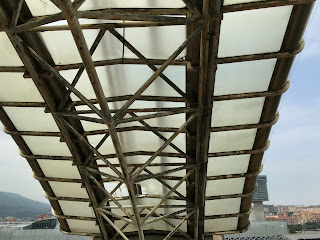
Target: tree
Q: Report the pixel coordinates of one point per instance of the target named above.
(294, 228)
(311, 226)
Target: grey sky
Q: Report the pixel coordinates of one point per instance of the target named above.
(292, 162)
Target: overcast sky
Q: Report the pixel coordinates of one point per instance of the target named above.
(292, 163)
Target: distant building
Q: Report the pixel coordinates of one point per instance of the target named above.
(292, 214)
(260, 229)
(259, 197)
(42, 217)
(49, 223)
(9, 219)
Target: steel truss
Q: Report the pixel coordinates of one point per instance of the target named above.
(202, 19)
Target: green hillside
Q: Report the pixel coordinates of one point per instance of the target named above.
(12, 204)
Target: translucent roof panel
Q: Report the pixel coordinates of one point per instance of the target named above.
(232, 140)
(64, 51)
(72, 208)
(136, 141)
(67, 189)
(46, 7)
(156, 42)
(230, 2)
(32, 119)
(16, 88)
(236, 112)
(225, 186)
(226, 224)
(133, 4)
(222, 206)
(47, 146)
(9, 56)
(159, 225)
(83, 226)
(253, 31)
(59, 169)
(228, 165)
(132, 76)
(243, 77)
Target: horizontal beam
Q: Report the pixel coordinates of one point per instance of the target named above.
(111, 15)
(239, 175)
(126, 154)
(73, 217)
(246, 126)
(66, 198)
(105, 26)
(55, 179)
(241, 195)
(228, 215)
(240, 152)
(261, 56)
(262, 4)
(272, 93)
(127, 97)
(143, 128)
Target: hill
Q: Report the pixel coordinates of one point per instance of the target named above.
(15, 205)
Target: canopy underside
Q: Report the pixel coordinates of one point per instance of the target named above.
(142, 117)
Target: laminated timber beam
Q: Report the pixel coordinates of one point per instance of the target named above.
(207, 67)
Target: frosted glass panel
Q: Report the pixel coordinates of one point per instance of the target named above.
(218, 225)
(31, 119)
(152, 186)
(132, 4)
(229, 2)
(59, 169)
(43, 7)
(153, 104)
(108, 48)
(222, 206)
(236, 112)
(253, 31)
(46, 7)
(169, 121)
(16, 88)
(141, 159)
(47, 146)
(156, 42)
(136, 141)
(225, 186)
(130, 76)
(9, 56)
(83, 226)
(228, 165)
(73, 208)
(158, 225)
(243, 77)
(66, 189)
(232, 140)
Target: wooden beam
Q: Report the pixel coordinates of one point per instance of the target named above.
(262, 4)
(72, 18)
(208, 54)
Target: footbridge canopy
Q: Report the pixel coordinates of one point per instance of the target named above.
(146, 117)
